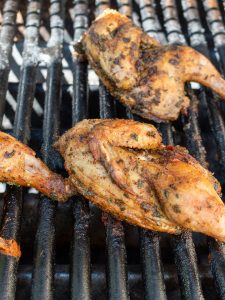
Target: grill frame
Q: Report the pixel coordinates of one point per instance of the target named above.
(80, 267)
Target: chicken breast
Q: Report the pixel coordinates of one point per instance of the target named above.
(143, 74)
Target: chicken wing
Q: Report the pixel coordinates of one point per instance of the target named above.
(144, 75)
(18, 165)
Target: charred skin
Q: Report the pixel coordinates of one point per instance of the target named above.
(144, 75)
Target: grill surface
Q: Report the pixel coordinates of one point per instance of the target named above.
(72, 250)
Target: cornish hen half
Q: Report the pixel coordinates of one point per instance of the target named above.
(120, 188)
(144, 75)
(123, 167)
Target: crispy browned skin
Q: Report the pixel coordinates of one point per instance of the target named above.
(18, 165)
(144, 75)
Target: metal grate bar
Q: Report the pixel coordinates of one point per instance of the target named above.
(222, 9)
(150, 249)
(43, 273)
(14, 200)
(195, 30)
(152, 266)
(100, 6)
(215, 116)
(184, 249)
(117, 273)
(150, 21)
(80, 267)
(217, 28)
(116, 251)
(107, 104)
(217, 257)
(215, 22)
(217, 249)
(125, 7)
(6, 40)
(192, 130)
(172, 26)
(10, 230)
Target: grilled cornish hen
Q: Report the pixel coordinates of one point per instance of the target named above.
(128, 199)
(144, 75)
(18, 165)
(123, 167)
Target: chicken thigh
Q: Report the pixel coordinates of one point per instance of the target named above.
(143, 74)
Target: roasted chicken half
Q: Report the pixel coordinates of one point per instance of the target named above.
(143, 74)
(123, 167)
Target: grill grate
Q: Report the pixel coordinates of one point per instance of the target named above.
(80, 272)
(51, 81)
(43, 272)
(116, 252)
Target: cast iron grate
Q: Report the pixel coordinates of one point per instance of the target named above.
(71, 251)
